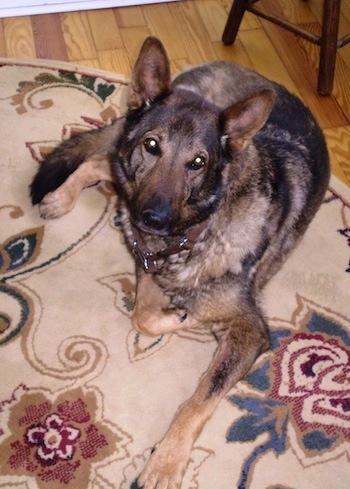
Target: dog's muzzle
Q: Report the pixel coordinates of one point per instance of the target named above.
(156, 214)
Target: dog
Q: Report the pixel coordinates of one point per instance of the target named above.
(219, 173)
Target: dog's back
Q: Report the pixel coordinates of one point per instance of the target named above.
(292, 151)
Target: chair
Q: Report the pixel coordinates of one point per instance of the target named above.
(328, 40)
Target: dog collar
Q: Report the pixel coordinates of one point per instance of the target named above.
(149, 259)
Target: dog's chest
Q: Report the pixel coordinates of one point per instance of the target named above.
(222, 251)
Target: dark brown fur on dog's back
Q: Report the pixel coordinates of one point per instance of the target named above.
(219, 174)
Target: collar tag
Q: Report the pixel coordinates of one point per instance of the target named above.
(147, 259)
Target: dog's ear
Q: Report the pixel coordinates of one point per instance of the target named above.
(151, 74)
(241, 121)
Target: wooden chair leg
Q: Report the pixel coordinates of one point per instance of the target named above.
(234, 21)
(328, 51)
(328, 40)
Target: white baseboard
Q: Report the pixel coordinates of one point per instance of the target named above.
(14, 8)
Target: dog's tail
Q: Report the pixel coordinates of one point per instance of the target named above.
(69, 155)
(56, 168)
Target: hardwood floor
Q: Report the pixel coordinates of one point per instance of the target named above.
(191, 31)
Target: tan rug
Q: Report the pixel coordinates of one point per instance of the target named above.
(83, 398)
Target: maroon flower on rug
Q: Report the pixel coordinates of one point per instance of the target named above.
(57, 442)
(55, 439)
(312, 375)
(298, 394)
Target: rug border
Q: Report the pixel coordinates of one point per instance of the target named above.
(65, 65)
(338, 187)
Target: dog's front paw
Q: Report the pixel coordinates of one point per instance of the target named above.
(56, 204)
(165, 469)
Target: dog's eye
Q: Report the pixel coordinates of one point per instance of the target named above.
(151, 146)
(197, 163)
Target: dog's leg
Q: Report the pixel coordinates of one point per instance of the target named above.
(237, 351)
(152, 314)
(62, 200)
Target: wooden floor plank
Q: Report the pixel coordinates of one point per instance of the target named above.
(19, 39)
(168, 30)
(132, 39)
(235, 53)
(194, 37)
(78, 36)
(213, 16)
(3, 52)
(104, 29)
(344, 53)
(265, 58)
(295, 11)
(115, 60)
(48, 37)
(299, 65)
(341, 88)
(129, 16)
(338, 140)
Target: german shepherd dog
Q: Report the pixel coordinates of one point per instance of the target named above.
(219, 174)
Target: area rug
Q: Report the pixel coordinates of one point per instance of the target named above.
(83, 397)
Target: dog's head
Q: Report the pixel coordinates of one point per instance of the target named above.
(170, 162)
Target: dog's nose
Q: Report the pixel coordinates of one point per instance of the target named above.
(154, 220)
(156, 215)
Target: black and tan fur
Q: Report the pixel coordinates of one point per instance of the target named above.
(227, 156)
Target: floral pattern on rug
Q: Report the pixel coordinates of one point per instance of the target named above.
(19, 255)
(345, 230)
(94, 86)
(16, 252)
(58, 441)
(299, 393)
(19, 251)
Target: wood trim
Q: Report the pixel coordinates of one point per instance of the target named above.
(33, 7)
